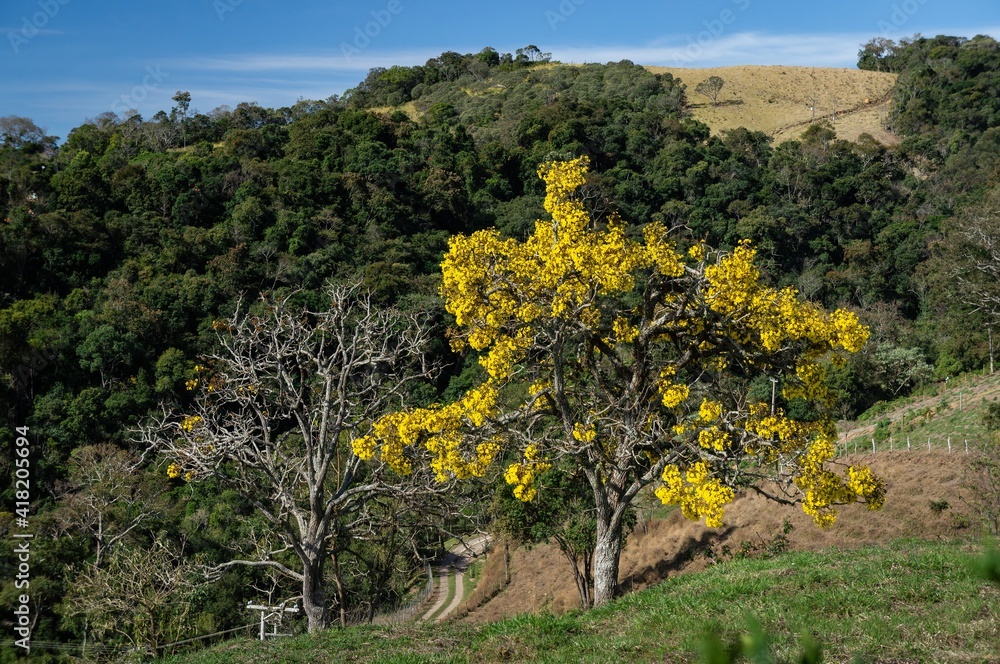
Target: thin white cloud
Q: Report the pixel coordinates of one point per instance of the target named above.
(332, 61)
(693, 50)
(280, 79)
(751, 48)
(748, 48)
(35, 31)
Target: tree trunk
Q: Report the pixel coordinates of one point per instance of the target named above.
(506, 563)
(990, 328)
(607, 552)
(313, 596)
(582, 578)
(341, 596)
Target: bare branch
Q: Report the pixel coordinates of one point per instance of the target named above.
(277, 409)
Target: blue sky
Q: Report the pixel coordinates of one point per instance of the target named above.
(63, 61)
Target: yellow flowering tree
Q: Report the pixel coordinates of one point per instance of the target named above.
(274, 415)
(633, 358)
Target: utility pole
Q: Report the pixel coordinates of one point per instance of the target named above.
(990, 330)
(272, 615)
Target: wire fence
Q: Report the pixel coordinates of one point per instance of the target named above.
(491, 581)
(404, 612)
(101, 652)
(957, 444)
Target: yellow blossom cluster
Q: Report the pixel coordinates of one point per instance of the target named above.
(863, 482)
(192, 384)
(511, 298)
(538, 387)
(174, 470)
(709, 411)
(191, 422)
(584, 433)
(439, 430)
(822, 488)
(713, 438)
(777, 317)
(779, 428)
(673, 394)
(497, 288)
(696, 491)
(506, 352)
(624, 331)
(811, 383)
(660, 251)
(522, 475)
(697, 252)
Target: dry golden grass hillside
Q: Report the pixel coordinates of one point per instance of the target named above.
(541, 579)
(777, 99)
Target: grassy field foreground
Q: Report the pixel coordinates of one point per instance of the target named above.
(913, 601)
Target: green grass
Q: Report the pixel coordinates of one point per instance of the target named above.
(960, 426)
(472, 575)
(911, 601)
(934, 413)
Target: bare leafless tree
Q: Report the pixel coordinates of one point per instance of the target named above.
(140, 593)
(105, 497)
(975, 257)
(274, 416)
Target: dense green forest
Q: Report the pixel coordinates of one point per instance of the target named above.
(121, 245)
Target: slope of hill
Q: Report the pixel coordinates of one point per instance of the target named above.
(917, 477)
(777, 100)
(931, 415)
(911, 602)
(664, 548)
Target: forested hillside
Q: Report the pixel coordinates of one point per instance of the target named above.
(123, 245)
